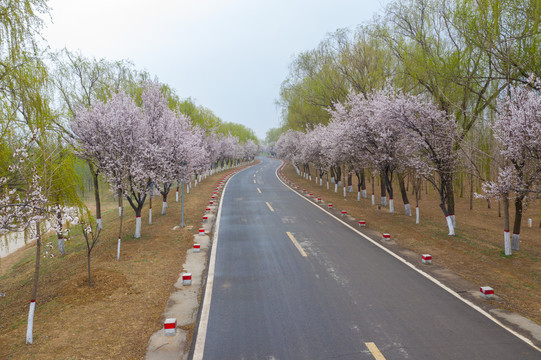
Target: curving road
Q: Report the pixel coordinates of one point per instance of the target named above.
(287, 281)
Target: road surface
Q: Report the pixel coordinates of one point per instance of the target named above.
(290, 282)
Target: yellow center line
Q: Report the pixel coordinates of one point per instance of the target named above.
(375, 351)
(270, 207)
(259, 190)
(296, 244)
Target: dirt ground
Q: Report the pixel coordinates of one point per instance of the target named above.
(115, 318)
(475, 253)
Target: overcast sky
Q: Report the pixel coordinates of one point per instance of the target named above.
(228, 55)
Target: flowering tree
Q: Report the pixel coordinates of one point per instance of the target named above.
(377, 136)
(24, 203)
(287, 146)
(518, 130)
(431, 137)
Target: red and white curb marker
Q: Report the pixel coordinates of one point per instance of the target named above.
(487, 292)
(344, 212)
(170, 326)
(211, 202)
(330, 206)
(318, 199)
(310, 194)
(186, 278)
(201, 231)
(362, 223)
(196, 248)
(426, 259)
(386, 236)
(205, 218)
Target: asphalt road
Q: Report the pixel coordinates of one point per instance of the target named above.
(333, 295)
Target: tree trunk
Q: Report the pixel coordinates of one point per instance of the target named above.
(517, 223)
(471, 191)
(88, 266)
(373, 191)
(30, 323)
(383, 191)
(121, 215)
(60, 236)
(404, 193)
(350, 182)
(150, 204)
(363, 184)
(96, 194)
(506, 237)
(450, 198)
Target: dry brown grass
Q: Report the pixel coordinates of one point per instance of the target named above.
(475, 253)
(115, 318)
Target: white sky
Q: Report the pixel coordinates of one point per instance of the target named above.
(228, 55)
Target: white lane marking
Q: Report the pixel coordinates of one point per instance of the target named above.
(205, 307)
(269, 205)
(413, 267)
(297, 245)
(259, 190)
(255, 182)
(375, 351)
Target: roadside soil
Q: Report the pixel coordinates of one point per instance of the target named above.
(114, 318)
(475, 253)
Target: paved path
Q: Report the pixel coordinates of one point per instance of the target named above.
(290, 282)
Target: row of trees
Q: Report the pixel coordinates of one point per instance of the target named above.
(473, 61)
(395, 134)
(60, 109)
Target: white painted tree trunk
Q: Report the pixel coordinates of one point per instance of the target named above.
(98, 224)
(507, 242)
(30, 323)
(373, 199)
(384, 201)
(350, 188)
(363, 194)
(310, 177)
(450, 225)
(188, 188)
(176, 197)
(118, 249)
(417, 215)
(137, 227)
(332, 180)
(61, 249)
(149, 216)
(516, 242)
(358, 196)
(391, 206)
(344, 191)
(454, 221)
(164, 206)
(339, 182)
(327, 185)
(407, 209)
(320, 182)
(120, 211)
(335, 187)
